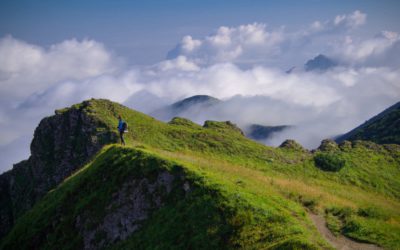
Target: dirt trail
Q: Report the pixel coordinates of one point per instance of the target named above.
(340, 242)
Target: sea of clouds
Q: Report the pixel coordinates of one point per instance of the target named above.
(244, 65)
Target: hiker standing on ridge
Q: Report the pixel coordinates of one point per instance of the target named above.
(121, 128)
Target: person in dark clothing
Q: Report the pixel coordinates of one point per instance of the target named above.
(121, 129)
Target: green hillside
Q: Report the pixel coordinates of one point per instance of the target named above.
(179, 185)
(212, 213)
(382, 128)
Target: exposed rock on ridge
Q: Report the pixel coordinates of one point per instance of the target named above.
(130, 206)
(61, 144)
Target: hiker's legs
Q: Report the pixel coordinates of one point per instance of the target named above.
(121, 136)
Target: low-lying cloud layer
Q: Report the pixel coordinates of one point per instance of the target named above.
(243, 65)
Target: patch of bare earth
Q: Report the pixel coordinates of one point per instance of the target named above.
(341, 242)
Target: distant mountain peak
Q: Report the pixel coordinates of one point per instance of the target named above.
(320, 63)
(196, 102)
(263, 132)
(196, 99)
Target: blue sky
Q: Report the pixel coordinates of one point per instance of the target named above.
(144, 31)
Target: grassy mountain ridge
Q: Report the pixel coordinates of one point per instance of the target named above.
(384, 128)
(209, 214)
(257, 196)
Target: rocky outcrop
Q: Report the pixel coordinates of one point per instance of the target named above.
(328, 145)
(292, 145)
(345, 145)
(131, 205)
(183, 122)
(61, 144)
(227, 125)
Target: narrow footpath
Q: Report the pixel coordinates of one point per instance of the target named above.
(341, 242)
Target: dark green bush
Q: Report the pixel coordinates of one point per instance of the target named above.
(372, 212)
(341, 212)
(329, 162)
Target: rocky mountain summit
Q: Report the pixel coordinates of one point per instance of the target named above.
(320, 63)
(62, 143)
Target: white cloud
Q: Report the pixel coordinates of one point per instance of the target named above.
(222, 38)
(179, 63)
(377, 51)
(237, 64)
(313, 102)
(189, 44)
(257, 43)
(26, 69)
(230, 44)
(357, 18)
(316, 26)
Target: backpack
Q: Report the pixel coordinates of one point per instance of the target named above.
(124, 126)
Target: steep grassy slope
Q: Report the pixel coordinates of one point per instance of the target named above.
(368, 182)
(196, 210)
(382, 128)
(241, 193)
